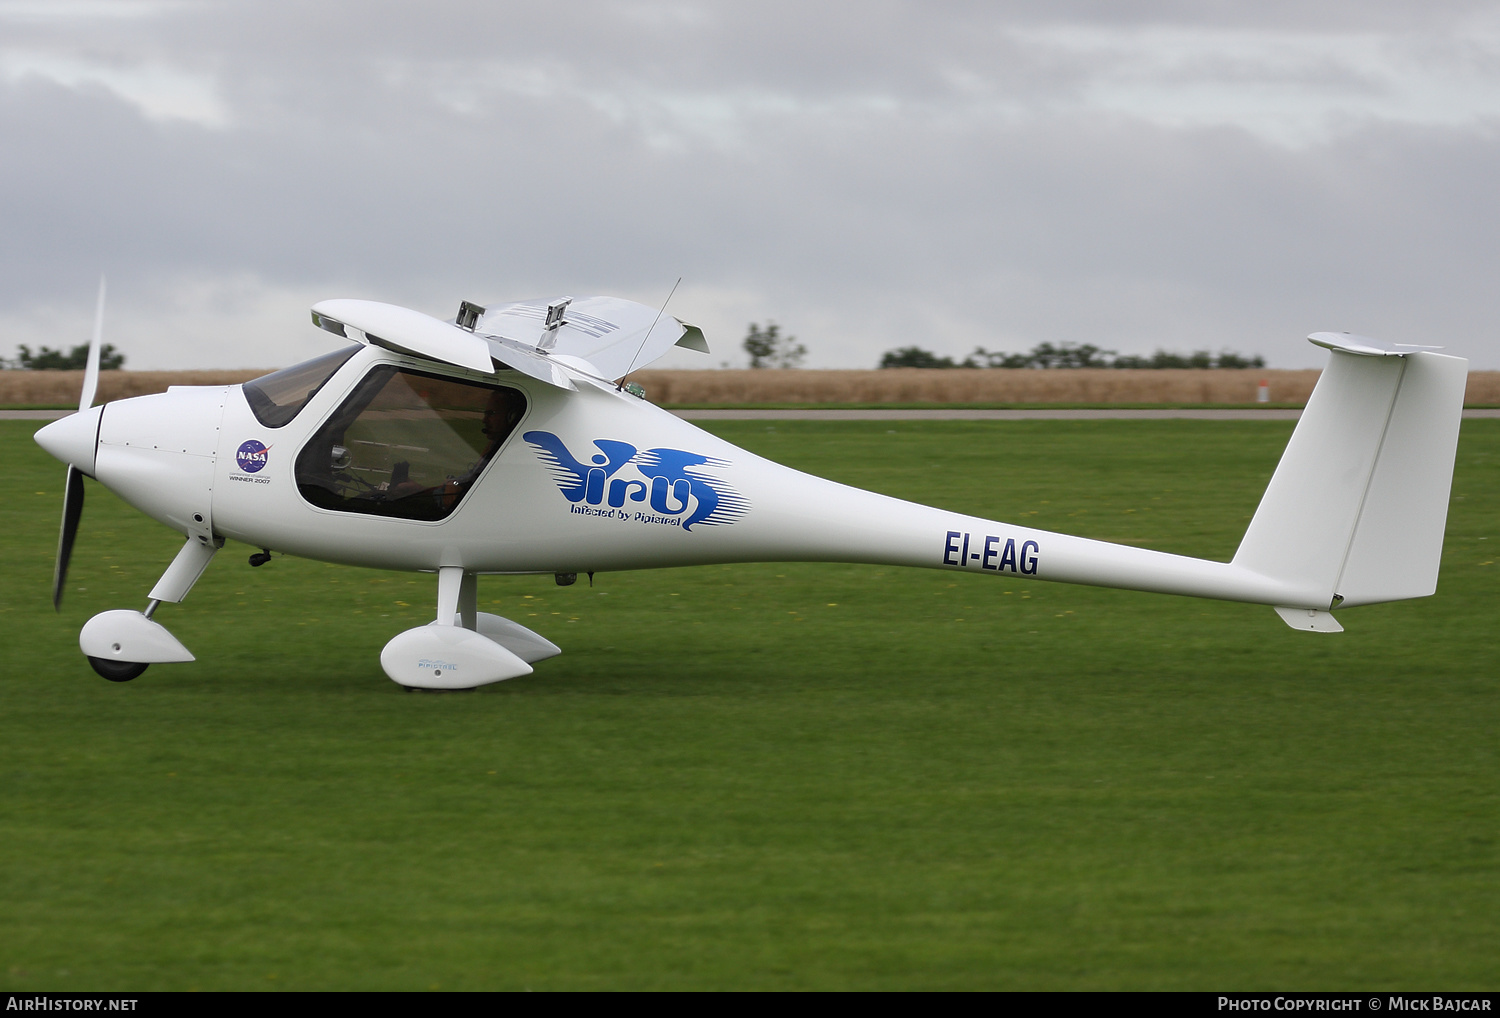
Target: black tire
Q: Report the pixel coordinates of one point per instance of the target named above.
(117, 671)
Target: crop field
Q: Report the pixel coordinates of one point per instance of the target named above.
(988, 387)
(61, 388)
(768, 776)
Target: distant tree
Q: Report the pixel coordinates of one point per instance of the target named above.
(915, 357)
(1197, 359)
(1043, 355)
(48, 359)
(982, 358)
(1230, 359)
(769, 349)
(1048, 356)
(1069, 355)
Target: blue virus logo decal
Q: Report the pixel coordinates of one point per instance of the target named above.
(252, 456)
(666, 483)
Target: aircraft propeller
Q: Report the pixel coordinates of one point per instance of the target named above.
(73, 488)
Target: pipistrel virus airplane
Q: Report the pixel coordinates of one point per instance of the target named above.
(504, 441)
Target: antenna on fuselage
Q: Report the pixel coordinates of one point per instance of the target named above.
(621, 386)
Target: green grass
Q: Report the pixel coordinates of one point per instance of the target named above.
(982, 406)
(911, 406)
(1002, 406)
(768, 776)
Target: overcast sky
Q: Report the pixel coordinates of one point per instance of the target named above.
(870, 175)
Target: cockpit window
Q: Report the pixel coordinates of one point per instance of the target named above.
(406, 444)
(278, 397)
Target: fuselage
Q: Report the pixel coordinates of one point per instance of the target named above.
(587, 481)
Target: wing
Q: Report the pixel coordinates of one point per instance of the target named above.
(610, 334)
(403, 330)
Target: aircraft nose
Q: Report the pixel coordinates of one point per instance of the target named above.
(158, 452)
(74, 439)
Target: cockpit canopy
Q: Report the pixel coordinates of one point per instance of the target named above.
(407, 444)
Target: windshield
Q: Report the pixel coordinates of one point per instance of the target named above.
(278, 397)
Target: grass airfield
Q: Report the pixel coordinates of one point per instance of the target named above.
(768, 776)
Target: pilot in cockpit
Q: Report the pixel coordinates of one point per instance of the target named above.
(501, 415)
(502, 412)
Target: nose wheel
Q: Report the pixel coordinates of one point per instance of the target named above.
(117, 671)
(120, 644)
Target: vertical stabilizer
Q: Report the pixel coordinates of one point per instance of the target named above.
(1356, 509)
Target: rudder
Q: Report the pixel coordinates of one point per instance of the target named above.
(1398, 541)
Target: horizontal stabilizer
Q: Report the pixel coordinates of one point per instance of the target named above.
(1364, 346)
(1310, 620)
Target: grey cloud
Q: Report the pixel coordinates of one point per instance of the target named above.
(869, 175)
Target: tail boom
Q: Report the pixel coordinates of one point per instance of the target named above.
(877, 529)
(1354, 513)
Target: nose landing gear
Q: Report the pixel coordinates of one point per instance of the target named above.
(121, 644)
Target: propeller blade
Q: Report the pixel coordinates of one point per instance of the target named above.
(91, 372)
(72, 512)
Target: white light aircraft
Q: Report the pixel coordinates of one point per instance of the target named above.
(505, 441)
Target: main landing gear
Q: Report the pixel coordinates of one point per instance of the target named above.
(464, 648)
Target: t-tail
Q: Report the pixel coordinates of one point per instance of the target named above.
(1356, 509)
(1353, 515)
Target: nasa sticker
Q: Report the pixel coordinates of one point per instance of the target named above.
(251, 456)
